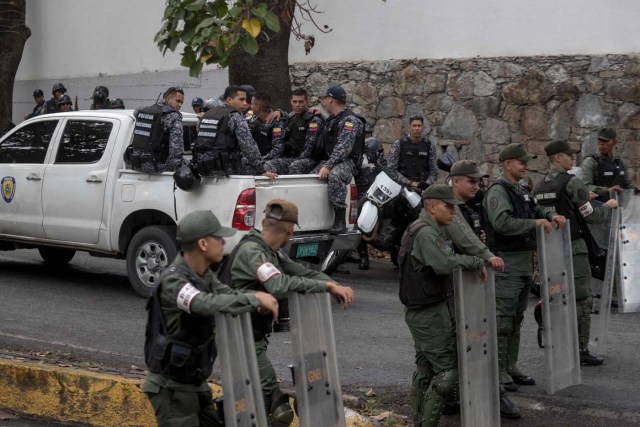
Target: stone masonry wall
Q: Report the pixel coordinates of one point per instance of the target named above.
(475, 106)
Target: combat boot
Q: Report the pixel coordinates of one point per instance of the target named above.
(339, 224)
(587, 358)
(508, 409)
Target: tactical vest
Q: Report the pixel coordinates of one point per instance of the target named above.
(214, 134)
(414, 159)
(419, 288)
(329, 138)
(554, 194)
(262, 133)
(187, 355)
(51, 106)
(473, 218)
(523, 207)
(610, 172)
(261, 323)
(148, 133)
(297, 128)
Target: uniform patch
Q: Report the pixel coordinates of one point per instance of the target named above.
(441, 244)
(185, 297)
(277, 132)
(313, 127)
(586, 209)
(348, 126)
(456, 219)
(8, 188)
(493, 202)
(266, 271)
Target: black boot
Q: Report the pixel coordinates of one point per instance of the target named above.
(339, 224)
(587, 358)
(508, 409)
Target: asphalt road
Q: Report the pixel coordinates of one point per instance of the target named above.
(88, 314)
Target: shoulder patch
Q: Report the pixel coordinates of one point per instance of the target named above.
(456, 219)
(185, 297)
(348, 126)
(493, 202)
(441, 244)
(266, 271)
(277, 131)
(313, 127)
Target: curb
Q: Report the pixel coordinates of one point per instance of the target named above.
(75, 395)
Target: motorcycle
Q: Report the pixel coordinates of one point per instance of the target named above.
(385, 212)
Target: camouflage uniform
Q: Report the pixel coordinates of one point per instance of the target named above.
(304, 163)
(171, 124)
(393, 161)
(252, 161)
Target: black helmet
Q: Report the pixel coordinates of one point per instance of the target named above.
(445, 161)
(212, 103)
(197, 101)
(249, 90)
(102, 89)
(372, 145)
(38, 92)
(99, 97)
(64, 99)
(57, 87)
(187, 178)
(117, 103)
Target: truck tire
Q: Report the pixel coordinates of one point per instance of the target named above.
(150, 251)
(333, 260)
(57, 257)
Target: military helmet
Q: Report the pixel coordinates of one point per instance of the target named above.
(372, 145)
(99, 96)
(197, 101)
(368, 128)
(212, 103)
(64, 99)
(117, 103)
(57, 87)
(103, 89)
(187, 178)
(445, 161)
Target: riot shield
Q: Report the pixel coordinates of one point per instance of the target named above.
(318, 391)
(604, 289)
(559, 319)
(628, 291)
(243, 401)
(477, 348)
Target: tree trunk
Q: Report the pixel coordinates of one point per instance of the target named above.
(268, 71)
(13, 35)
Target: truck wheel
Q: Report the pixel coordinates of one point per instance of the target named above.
(150, 251)
(56, 256)
(333, 260)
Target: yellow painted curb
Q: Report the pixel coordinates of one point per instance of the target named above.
(76, 395)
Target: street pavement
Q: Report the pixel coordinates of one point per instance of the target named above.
(87, 314)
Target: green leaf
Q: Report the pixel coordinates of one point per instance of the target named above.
(205, 23)
(196, 5)
(260, 11)
(222, 8)
(249, 44)
(195, 69)
(272, 21)
(234, 12)
(173, 42)
(188, 57)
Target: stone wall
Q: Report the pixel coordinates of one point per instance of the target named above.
(475, 106)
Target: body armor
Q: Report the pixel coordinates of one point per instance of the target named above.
(553, 194)
(216, 147)
(413, 162)
(610, 172)
(329, 138)
(262, 133)
(148, 133)
(297, 127)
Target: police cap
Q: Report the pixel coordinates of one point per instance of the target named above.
(337, 93)
(282, 210)
(515, 151)
(199, 224)
(197, 101)
(606, 134)
(37, 93)
(467, 168)
(441, 192)
(559, 146)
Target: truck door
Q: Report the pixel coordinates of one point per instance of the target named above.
(22, 163)
(75, 181)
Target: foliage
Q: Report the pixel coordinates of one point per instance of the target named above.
(212, 30)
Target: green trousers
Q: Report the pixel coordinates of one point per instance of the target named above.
(184, 408)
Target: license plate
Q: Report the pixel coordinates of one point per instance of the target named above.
(307, 249)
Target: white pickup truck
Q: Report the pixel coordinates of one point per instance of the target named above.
(65, 188)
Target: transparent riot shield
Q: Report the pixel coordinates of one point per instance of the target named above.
(318, 391)
(604, 289)
(559, 319)
(628, 289)
(477, 348)
(243, 401)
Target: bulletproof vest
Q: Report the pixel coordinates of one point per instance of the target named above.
(473, 218)
(329, 138)
(262, 133)
(214, 134)
(51, 106)
(610, 172)
(148, 132)
(186, 355)
(554, 194)
(419, 288)
(297, 127)
(414, 159)
(261, 323)
(523, 206)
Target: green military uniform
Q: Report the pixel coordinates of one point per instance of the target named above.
(430, 324)
(177, 403)
(464, 239)
(258, 267)
(513, 284)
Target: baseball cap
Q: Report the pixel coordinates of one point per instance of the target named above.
(515, 151)
(559, 146)
(606, 134)
(282, 210)
(199, 224)
(337, 93)
(38, 92)
(441, 192)
(197, 101)
(467, 168)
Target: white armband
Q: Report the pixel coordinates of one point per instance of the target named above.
(266, 271)
(586, 209)
(185, 297)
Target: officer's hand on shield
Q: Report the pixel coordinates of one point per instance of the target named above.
(484, 275)
(559, 220)
(496, 263)
(545, 224)
(615, 188)
(267, 303)
(592, 195)
(343, 294)
(612, 203)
